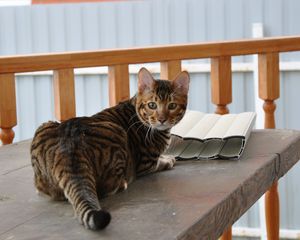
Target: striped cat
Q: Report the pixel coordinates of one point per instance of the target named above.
(86, 158)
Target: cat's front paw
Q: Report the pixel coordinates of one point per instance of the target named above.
(165, 162)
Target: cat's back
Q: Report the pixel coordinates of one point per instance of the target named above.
(111, 123)
(74, 133)
(120, 114)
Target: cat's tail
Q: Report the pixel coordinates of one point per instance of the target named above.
(82, 194)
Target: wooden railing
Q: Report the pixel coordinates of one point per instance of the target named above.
(170, 57)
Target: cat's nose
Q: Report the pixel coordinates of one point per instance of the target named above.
(162, 120)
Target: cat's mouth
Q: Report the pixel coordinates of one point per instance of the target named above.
(162, 126)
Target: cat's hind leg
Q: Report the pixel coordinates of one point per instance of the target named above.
(43, 187)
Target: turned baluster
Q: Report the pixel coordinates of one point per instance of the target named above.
(8, 112)
(227, 235)
(221, 84)
(64, 94)
(118, 77)
(268, 67)
(221, 93)
(170, 69)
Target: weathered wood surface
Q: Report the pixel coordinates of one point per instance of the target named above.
(195, 200)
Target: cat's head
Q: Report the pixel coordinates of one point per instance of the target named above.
(161, 103)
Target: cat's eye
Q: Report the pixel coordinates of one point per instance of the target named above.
(152, 105)
(172, 106)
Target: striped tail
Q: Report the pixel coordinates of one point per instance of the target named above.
(83, 196)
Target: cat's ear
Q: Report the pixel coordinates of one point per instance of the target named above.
(145, 80)
(181, 82)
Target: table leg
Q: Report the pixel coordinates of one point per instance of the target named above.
(227, 235)
(272, 212)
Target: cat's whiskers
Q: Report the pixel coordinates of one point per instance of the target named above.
(132, 117)
(148, 131)
(142, 125)
(133, 125)
(152, 133)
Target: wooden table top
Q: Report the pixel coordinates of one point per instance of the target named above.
(195, 200)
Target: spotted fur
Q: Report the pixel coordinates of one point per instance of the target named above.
(86, 158)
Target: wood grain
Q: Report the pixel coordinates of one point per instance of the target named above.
(269, 90)
(221, 83)
(8, 110)
(272, 212)
(170, 69)
(118, 77)
(268, 70)
(64, 94)
(269, 109)
(39, 62)
(221, 92)
(7, 135)
(227, 235)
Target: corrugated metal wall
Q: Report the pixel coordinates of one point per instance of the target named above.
(53, 28)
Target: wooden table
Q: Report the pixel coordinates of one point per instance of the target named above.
(195, 200)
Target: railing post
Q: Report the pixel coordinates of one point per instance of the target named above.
(268, 67)
(8, 112)
(221, 94)
(170, 69)
(227, 235)
(118, 77)
(64, 94)
(221, 84)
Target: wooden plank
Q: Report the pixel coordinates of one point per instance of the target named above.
(8, 110)
(64, 94)
(118, 77)
(39, 62)
(221, 83)
(170, 199)
(170, 69)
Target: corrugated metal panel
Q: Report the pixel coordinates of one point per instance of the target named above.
(32, 29)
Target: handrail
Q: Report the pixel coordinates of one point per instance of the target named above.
(56, 61)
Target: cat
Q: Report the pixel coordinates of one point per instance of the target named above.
(87, 158)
